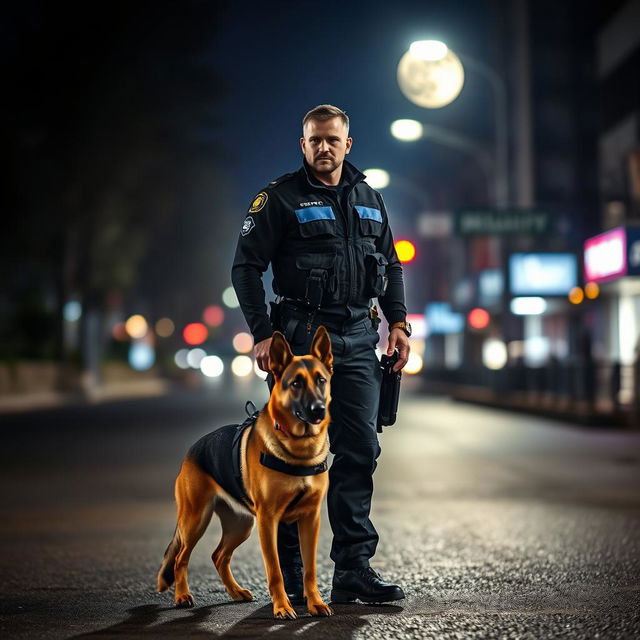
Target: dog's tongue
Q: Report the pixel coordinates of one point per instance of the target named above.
(286, 433)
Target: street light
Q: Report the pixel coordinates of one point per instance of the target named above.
(434, 82)
(428, 78)
(407, 130)
(377, 178)
(429, 50)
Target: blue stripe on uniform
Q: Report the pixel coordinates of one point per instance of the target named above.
(315, 213)
(369, 213)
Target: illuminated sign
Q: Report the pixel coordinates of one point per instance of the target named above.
(440, 318)
(542, 274)
(612, 254)
(418, 325)
(494, 222)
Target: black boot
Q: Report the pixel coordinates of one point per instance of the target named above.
(293, 585)
(363, 584)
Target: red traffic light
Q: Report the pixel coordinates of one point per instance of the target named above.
(406, 250)
(478, 318)
(195, 333)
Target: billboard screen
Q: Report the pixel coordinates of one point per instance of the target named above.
(542, 274)
(605, 256)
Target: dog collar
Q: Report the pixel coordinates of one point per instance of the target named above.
(277, 464)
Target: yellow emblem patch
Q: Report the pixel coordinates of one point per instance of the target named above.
(258, 202)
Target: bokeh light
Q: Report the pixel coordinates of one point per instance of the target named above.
(377, 178)
(142, 356)
(230, 298)
(195, 333)
(414, 364)
(494, 353)
(242, 366)
(406, 250)
(528, 306)
(242, 342)
(180, 358)
(259, 372)
(195, 356)
(211, 366)
(478, 318)
(72, 311)
(213, 315)
(165, 327)
(576, 295)
(591, 290)
(136, 327)
(407, 130)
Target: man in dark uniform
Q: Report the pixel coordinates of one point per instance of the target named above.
(326, 233)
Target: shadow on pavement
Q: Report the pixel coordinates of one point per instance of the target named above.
(144, 621)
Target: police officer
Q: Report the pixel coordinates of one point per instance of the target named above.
(326, 233)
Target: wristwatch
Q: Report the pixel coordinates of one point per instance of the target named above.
(405, 326)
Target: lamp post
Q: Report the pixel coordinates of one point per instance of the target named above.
(432, 76)
(501, 125)
(411, 130)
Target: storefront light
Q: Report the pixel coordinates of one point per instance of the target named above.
(528, 306)
(576, 295)
(591, 290)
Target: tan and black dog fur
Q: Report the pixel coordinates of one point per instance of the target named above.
(198, 495)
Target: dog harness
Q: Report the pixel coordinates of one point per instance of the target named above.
(218, 454)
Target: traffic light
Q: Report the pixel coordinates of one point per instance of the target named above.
(406, 251)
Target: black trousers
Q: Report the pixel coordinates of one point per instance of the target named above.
(355, 390)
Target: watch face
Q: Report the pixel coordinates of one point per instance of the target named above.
(407, 328)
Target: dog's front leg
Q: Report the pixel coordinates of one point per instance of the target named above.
(308, 531)
(268, 532)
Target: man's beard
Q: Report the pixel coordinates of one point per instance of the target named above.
(323, 167)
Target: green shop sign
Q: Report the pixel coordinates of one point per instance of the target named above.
(475, 222)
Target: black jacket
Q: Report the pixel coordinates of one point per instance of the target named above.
(329, 247)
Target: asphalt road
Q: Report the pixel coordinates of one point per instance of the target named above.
(497, 526)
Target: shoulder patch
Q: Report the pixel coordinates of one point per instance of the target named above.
(247, 225)
(258, 202)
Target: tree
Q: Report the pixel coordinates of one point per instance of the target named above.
(108, 128)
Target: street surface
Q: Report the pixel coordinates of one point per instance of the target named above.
(497, 525)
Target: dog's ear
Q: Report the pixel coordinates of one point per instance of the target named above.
(279, 354)
(321, 348)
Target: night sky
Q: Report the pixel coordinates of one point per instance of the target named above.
(281, 59)
(139, 133)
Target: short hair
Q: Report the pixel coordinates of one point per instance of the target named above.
(325, 112)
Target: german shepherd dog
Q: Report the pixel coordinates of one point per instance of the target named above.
(293, 427)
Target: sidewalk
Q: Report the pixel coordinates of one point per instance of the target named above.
(33, 401)
(546, 405)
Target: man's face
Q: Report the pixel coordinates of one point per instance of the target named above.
(325, 144)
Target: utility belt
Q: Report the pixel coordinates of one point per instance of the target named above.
(287, 314)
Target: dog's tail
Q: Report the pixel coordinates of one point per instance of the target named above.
(166, 574)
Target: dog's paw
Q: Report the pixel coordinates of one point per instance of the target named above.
(241, 594)
(320, 609)
(185, 601)
(285, 612)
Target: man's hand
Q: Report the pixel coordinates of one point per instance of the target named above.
(261, 353)
(398, 339)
